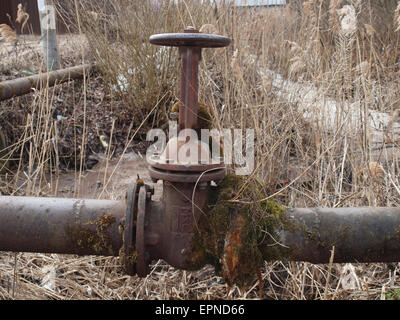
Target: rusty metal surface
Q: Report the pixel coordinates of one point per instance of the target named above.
(21, 86)
(190, 43)
(364, 234)
(143, 257)
(60, 225)
(190, 57)
(165, 228)
(130, 229)
(156, 162)
(183, 207)
(155, 230)
(193, 39)
(215, 175)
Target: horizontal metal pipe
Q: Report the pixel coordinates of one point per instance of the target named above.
(21, 86)
(92, 227)
(60, 225)
(365, 234)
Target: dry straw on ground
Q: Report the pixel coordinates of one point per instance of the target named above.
(7, 33)
(322, 51)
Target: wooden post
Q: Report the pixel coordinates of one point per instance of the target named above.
(47, 16)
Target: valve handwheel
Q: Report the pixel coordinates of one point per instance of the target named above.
(191, 38)
(190, 43)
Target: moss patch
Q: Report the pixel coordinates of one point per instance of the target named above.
(236, 237)
(130, 258)
(86, 237)
(203, 114)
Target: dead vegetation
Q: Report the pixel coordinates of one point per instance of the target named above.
(284, 73)
(22, 17)
(7, 33)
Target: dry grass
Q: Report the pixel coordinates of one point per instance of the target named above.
(39, 276)
(7, 33)
(335, 65)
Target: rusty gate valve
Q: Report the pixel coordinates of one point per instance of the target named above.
(164, 229)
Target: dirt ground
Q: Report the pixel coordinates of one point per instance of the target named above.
(108, 179)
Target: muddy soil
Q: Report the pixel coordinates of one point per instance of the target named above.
(108, 179)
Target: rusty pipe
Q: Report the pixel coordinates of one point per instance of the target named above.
(24, 85)
(60, 225)
(190, 57)
(365, 234)
(92, 227)
(53, 225)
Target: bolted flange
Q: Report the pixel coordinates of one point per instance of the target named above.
(129, 236)
(136, 258)
(143, 258)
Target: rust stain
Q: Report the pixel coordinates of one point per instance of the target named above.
(233, 245)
